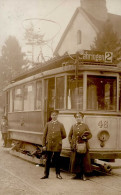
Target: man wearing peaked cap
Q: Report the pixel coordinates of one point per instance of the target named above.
(54, 111)
(80, 134)
(79, 114)
(52, 142)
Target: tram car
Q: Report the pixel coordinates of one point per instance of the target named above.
(86, 81)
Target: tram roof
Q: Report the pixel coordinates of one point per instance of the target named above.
(41, 67)
(54, 63)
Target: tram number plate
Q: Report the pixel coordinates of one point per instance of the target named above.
(103, 124)
(108, 57)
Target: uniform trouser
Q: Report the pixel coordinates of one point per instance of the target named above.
(4, 136)
(48, 162)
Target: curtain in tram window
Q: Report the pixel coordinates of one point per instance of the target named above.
(69, 99)
(92, 97)
(29, 97)
(38, 95)
(107, 96)
(75, 93)
(60, 93)
(18, 98)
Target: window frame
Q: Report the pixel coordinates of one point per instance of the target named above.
(116, 75)
(26, 84)
(35, 107)
(56, 77)
(79, 37)
(82, 76)
(13, 92)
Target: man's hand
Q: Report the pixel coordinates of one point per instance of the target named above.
(44, 148)
(84, 137)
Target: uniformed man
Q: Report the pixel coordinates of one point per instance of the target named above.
(80, 133)
(4, 130)
(52, 142)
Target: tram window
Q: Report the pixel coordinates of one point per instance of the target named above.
(39, 95)
(51, 93)
(101, 93)
(10, 101)
(29, 97)
(18, 99)
(74, 92)
(120, 94)
(60, 93)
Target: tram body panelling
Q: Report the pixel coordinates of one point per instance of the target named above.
(28, 126)
(112, 124)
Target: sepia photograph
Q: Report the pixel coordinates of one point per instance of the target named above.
(60, 97)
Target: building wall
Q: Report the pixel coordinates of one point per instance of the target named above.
(87, 36)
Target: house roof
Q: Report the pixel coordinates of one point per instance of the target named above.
(71, 22)
(96, 24)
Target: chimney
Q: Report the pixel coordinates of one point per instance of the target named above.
(96, 8)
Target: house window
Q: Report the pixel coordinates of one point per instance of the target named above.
(78, 37)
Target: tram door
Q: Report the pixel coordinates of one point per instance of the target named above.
(49, 95)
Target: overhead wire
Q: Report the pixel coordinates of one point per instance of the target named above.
(55, 8)
(48, 14)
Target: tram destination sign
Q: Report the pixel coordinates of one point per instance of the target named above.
(95, 56)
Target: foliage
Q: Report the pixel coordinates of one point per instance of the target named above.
(108, 40)
(11, 60)
(33, 38)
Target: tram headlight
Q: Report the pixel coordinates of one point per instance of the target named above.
(103, 136)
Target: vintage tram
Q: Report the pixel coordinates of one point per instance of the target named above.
(88, 82)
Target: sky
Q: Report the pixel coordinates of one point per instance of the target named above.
(16, 15)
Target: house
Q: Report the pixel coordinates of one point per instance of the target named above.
(84, 26)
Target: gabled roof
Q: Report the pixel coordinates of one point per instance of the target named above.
(96, 24)
(70, 24)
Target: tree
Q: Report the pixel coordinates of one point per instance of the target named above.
(12, 57)
(34, 38)
(108, 40)
(11, 62)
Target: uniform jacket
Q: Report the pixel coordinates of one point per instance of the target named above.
(4, 126)
(76, 132)
(75, 136)
(53, 134)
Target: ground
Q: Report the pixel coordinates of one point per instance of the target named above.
(19, 177)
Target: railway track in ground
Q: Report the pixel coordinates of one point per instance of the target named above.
(111, 180)
(29, 182)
